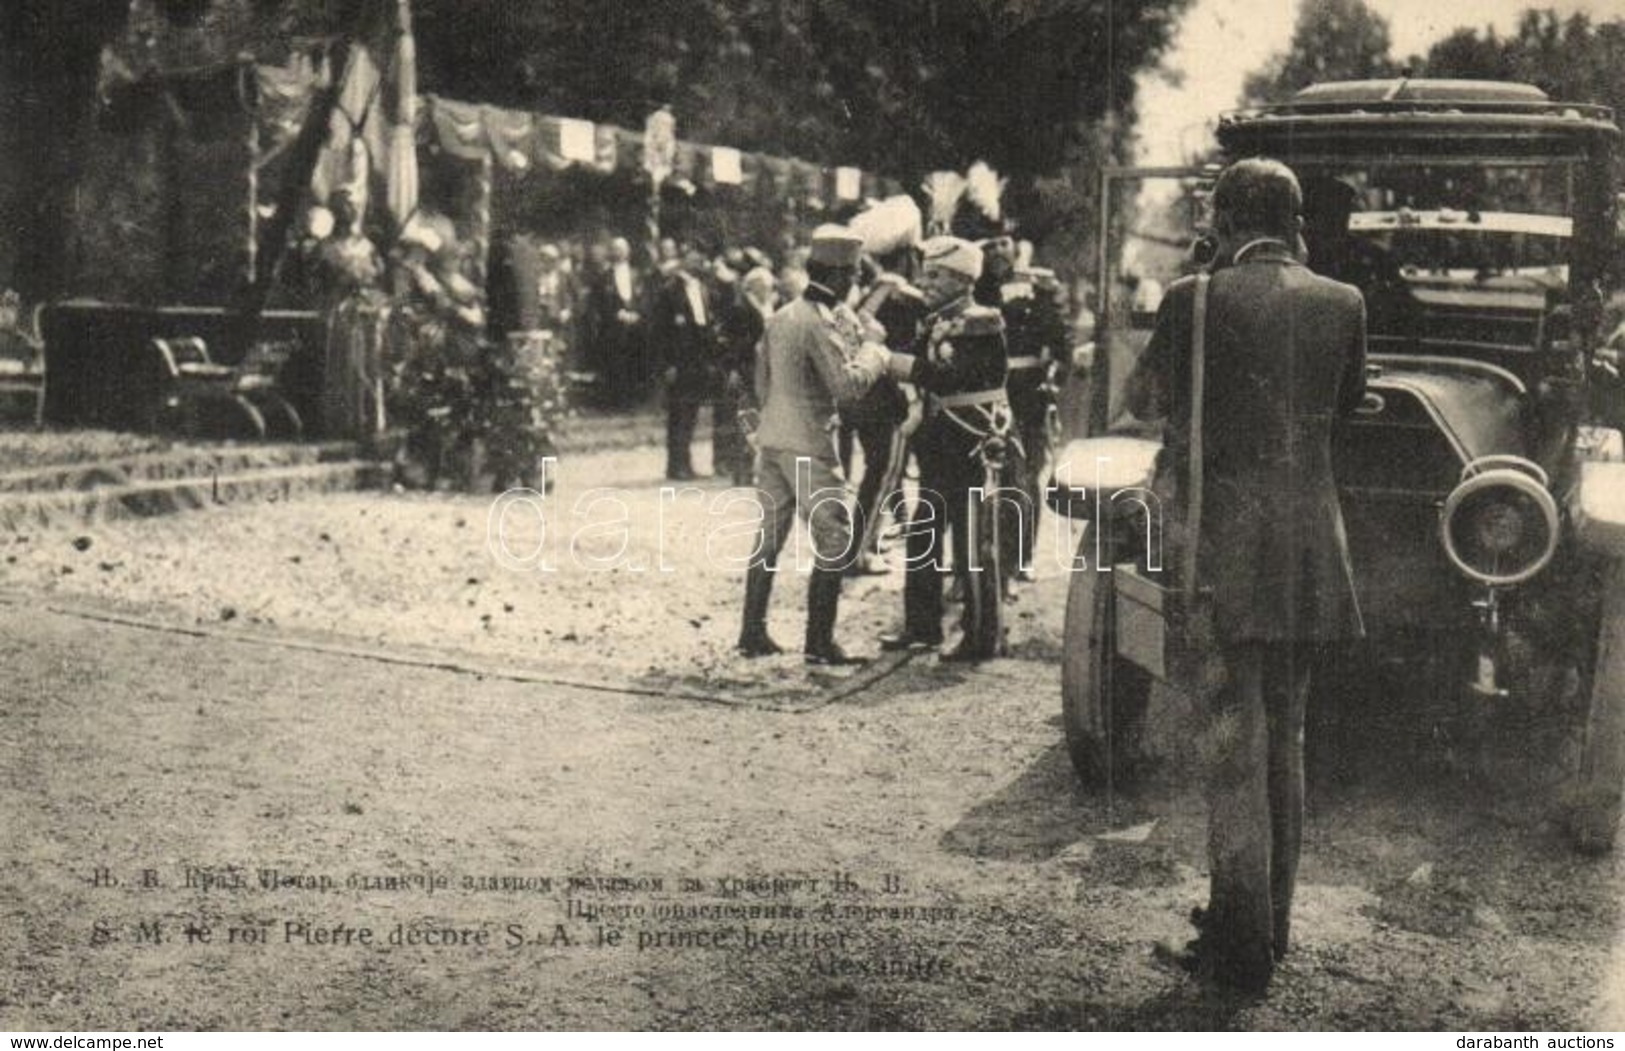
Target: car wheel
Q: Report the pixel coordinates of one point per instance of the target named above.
(1103, 696)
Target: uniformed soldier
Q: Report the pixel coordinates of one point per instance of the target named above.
(959, 362)
(879, 422)
(1035, 333)
(816, 354)
(891, 232)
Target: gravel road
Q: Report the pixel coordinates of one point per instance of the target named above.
(329, 717)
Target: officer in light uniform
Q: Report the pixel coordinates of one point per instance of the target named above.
(815, 356)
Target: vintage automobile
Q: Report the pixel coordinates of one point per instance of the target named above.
(1482, 479)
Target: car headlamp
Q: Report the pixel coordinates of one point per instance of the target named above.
(1500, 524)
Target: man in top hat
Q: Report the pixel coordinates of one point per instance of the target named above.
(960, 362)
(816, 355)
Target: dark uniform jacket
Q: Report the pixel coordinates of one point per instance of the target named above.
(900, 316)
(1285, 361)
(977, 359)
(1035, 332)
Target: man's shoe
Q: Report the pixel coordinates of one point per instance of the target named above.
(680, 474)
(759, 646)
(964, 653)
(869, 566)
(834, 657)
(900, 642)
(1202, 958)
(1187, 958)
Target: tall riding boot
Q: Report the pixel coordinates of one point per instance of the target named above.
(754, 641)
(823, 600)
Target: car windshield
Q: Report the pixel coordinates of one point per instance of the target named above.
(1458, 255)
(1467, 244)
(1484, 220)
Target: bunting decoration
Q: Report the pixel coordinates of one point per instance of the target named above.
(727, 168)
(577, 140)
(513, 139)
(848, 184)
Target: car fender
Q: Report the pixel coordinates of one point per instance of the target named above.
(1089, 472)
(1597, 508)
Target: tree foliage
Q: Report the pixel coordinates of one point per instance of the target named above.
(902, 85)
(1573, 59)
(1332, 40)
(48, 54)
(1035, 87)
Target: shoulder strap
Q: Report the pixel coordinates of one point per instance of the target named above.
(1198, 395)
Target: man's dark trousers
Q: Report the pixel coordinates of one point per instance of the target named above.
(948, 473)
(1255, 733)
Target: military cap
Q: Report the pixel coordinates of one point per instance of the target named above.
(952, 253)
(835, 245)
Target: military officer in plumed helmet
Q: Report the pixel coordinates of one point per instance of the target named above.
(959, 361)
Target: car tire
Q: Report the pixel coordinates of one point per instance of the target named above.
(1103, 696)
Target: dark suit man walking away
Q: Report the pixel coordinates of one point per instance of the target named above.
(1283, 361)
(817, 355)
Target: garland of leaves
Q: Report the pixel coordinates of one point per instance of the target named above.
(522, 401)
(462, 399)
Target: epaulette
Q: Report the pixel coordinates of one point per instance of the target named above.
(1042, 277)
(981, 321)
(1011, 291)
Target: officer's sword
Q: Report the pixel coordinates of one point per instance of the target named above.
(891, 481)
(897, 449)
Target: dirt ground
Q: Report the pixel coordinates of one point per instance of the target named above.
(415, 734)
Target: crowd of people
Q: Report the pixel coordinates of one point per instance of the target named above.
(681, 328)
(939, 351)
(1289, 349)
(942, 352)
(410, 366)
(985, 335)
